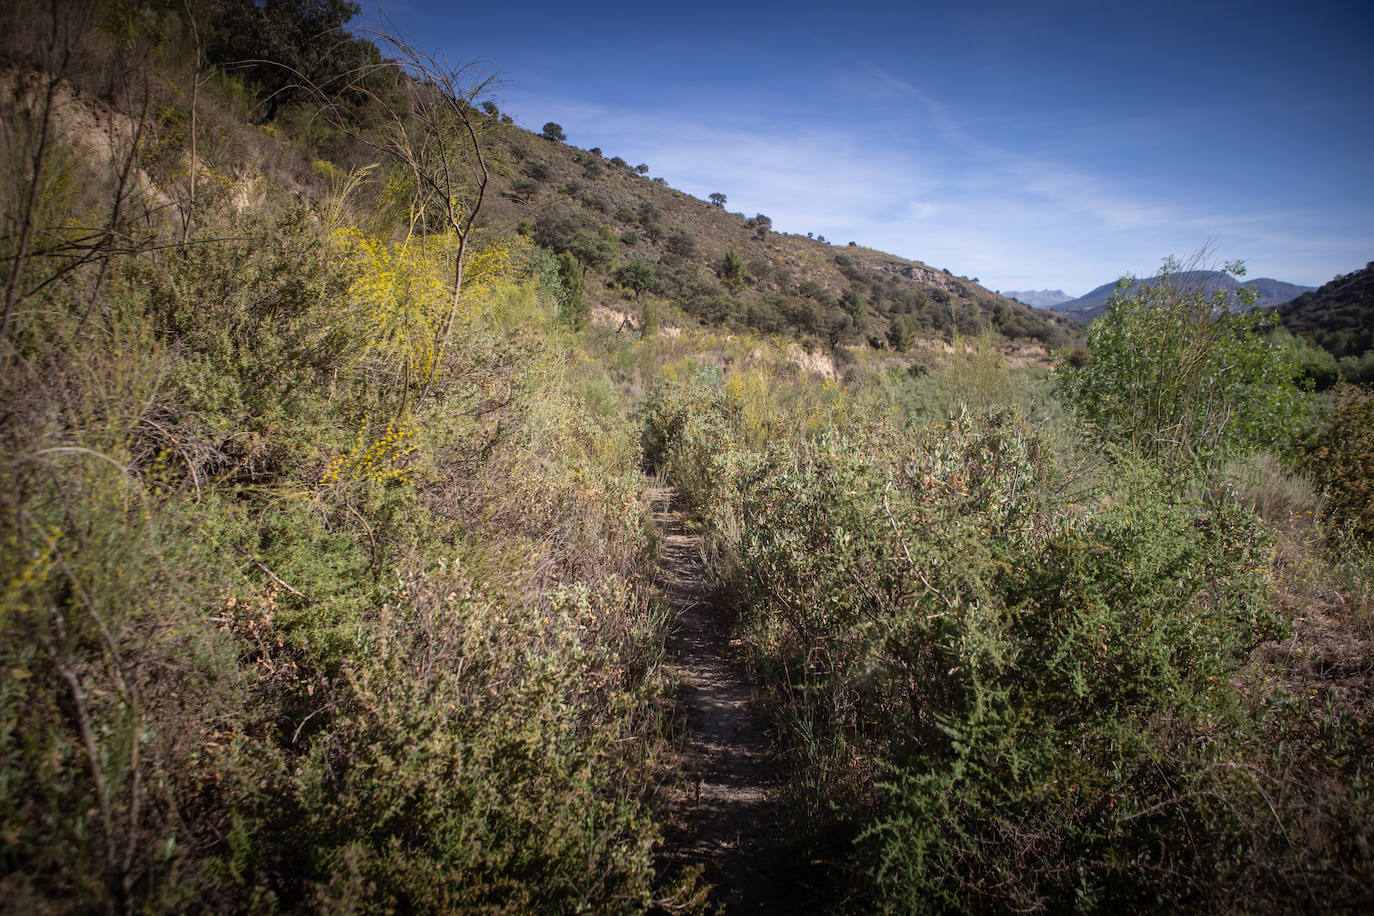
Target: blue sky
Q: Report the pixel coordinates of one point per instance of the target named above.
(1032, 145)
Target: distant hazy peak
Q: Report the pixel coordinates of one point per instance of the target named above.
(1039, 298)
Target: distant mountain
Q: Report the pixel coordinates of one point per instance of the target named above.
(1275, 292)
(1267, 292)
(1039, 298)
(1339, 316)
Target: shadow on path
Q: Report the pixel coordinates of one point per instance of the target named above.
(727, 801)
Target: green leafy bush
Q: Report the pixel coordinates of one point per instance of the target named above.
(276, 640)
(1342, 459)
(1175, 374)
(1010, 696)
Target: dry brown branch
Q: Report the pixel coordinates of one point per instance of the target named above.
(271, 575)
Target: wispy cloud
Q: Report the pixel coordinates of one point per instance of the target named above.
(951, 198)
(807, 179)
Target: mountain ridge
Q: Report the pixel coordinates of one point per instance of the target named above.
(610, 215)
(1338, 315)
(1268, 292)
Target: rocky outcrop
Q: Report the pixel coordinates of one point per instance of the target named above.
(922, 274)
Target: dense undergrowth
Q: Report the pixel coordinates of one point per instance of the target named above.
(1013, 663)
(324, 587)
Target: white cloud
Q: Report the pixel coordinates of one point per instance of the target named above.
(950, 199)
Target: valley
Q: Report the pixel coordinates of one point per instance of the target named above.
(405, 511)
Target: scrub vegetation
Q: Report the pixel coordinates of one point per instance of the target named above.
(328, 567)
(1025, 663)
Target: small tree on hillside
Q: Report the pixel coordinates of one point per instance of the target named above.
(732, 270)
(597, 249)
(682, 246)
(718, 199)
(853, 302)
(554, 132)
(639, 275)
(523, 190)
(290, 49)
(573, 309)
(902, 333)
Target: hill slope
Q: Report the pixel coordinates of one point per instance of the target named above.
(611, 216)
(1339, 315)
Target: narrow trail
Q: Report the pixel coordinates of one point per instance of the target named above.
(726, 805)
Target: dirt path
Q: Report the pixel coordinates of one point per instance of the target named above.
(726, 802)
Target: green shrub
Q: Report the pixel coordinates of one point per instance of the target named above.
(1341, 459)
(1175, 374)
(1313, 364)
(447, 773)
(573, 306)
(1010, 695)
(1012, 673)
(665, 412)
(277, 641)
(902, 333)
(259, 322)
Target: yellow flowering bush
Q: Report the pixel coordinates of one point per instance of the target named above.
(405, 290)
(403, 294)
(375, 459)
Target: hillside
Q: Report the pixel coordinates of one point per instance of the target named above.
(1267, 292)
(612, 216)
(1338, 316)
(642, 243)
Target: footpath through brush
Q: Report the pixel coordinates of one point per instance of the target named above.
(726, 815)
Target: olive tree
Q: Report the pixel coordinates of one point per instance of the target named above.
(639, 275)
